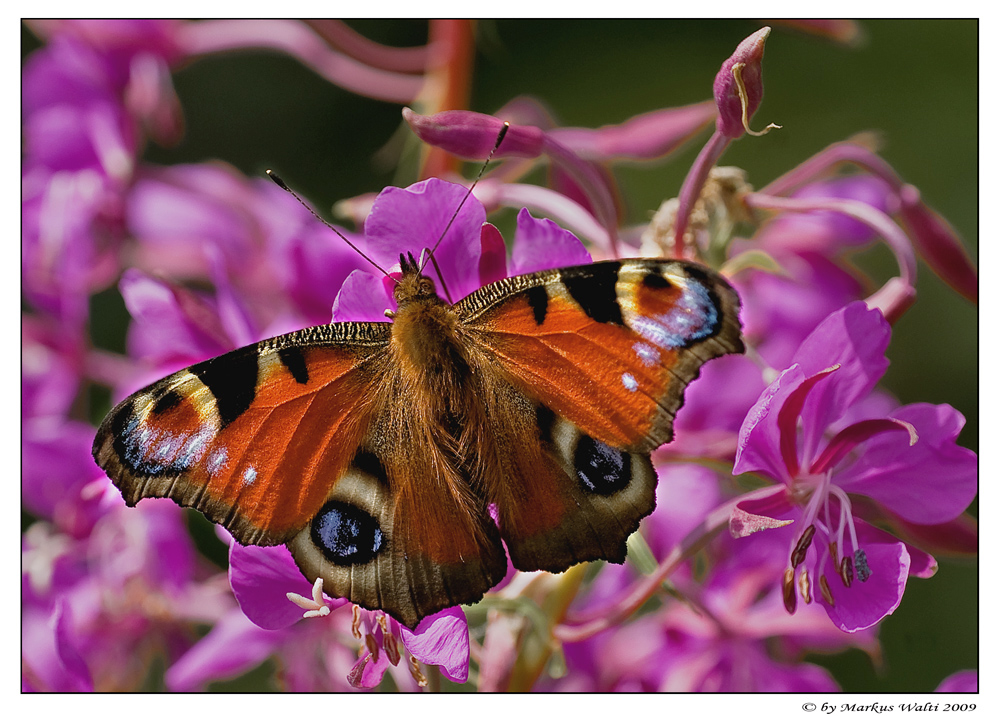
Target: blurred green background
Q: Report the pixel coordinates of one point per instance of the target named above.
(913, 81)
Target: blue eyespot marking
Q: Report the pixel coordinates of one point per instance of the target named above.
(601, 468)
(346, 534)
(692, 318)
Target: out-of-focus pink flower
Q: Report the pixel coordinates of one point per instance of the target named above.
(961, 682)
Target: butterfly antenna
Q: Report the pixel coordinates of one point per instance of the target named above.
(277, 180)
(496, 145)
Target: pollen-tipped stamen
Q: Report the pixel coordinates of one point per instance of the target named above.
(788, 590)
(824, 589)
(861, 567)
(389, 642)
(804, 587)
(799, 553)
(846, 572)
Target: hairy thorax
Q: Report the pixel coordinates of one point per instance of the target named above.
(430, 357)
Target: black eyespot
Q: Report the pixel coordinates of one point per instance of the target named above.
(346, 534)
(601, 468)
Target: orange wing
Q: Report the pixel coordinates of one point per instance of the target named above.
(254, 438)
(597, 357)
(608, 346)
(311, 440)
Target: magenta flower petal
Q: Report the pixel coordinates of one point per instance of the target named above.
(961, 682)
(66, 648)
(789, 414)
(234, 646)
(261, 578)
(320, 262)
(541, 244)
(715, 406)
(188, 206)
(414, 218)
(172, 323)
(493, 260)
(772, 676)
(362, 297)
(368, 672)
(759, 442)
(442, 639)
(922, 565)
(957, 537)
(685, 494)
(853, 435)
(828, 231)
(855, 338)
(779, 311)
(865, 603)
(929, 482)
(56, 466)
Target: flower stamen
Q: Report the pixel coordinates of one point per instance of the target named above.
(788, 590)
(846, 572)
(389, 642)
(861, 565)
(799, 553)
(416, 673)
(804, 587)
(824, 589)
(356, 621)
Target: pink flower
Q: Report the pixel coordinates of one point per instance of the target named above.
(414, 219)
(904, 459)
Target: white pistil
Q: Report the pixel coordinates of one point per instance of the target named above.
(315, 607)
(846, 516)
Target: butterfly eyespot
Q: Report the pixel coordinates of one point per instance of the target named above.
(346, 534)
(601, 468)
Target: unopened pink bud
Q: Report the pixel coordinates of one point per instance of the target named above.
(938, 243)
(472, 135)
(747, 63)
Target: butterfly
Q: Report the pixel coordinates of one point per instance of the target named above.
(396, 459)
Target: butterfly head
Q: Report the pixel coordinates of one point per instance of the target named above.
(413, 285)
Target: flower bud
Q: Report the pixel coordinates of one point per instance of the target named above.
(472, 135)
(739, 86)
(938, 244)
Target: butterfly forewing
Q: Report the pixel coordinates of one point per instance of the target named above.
(608, 346)
(254, 438)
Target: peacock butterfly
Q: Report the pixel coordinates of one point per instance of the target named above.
(395, 459)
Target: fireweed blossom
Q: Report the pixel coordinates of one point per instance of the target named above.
(109, 590)
(820, 431)
(728, 631)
